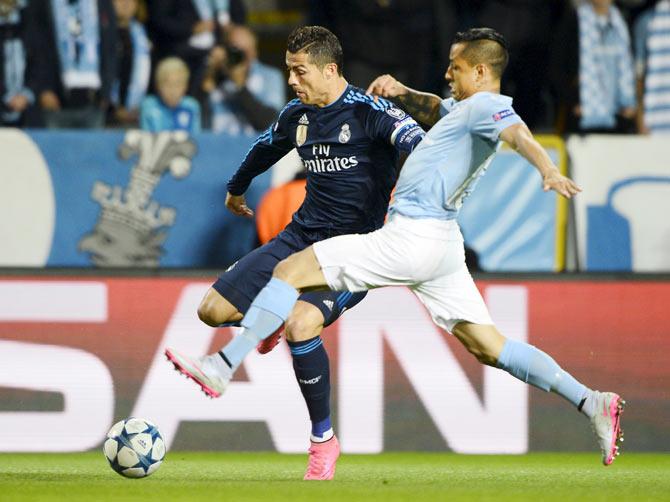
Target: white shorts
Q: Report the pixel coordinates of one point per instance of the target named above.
(426, 255)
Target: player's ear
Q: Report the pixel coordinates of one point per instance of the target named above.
(482, 72)
(330, 70)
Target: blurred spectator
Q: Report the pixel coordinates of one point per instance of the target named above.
(527, 25)
(172, 109)
(276, 208)
(16, 67)
(652, 49)
(592, 70)
(409, 39)
(76, 60)
(189, 29)
(133, 69)
(242, 94)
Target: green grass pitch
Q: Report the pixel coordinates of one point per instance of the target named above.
(392, 476)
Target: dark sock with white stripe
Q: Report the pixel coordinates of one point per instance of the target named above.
(312, 370)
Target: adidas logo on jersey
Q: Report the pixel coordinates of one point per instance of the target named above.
(303, 120)
(329, 304)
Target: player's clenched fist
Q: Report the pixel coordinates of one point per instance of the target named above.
(386, 86)
(237, 205)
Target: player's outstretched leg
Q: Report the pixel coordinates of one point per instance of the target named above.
(533, 366)
(322, 460)
(266, 314)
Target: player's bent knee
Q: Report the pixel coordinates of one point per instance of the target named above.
(481, 354)
(484, 357)
(214, 310)
(298, 329)
(304, 323)
(207, 314)
(485, 343)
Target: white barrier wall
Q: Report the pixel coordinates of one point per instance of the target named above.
(91, 354)
(623, 214)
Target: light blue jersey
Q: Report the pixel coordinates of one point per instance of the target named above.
(445, 167)
(156, 116)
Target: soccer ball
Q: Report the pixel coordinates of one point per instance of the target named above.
(134, 448)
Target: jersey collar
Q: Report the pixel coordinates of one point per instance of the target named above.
(339, 100)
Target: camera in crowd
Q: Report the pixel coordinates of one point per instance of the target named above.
(222, 60)
(235, 55)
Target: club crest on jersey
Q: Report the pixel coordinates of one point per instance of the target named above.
(396, 113)
(345, 134)
(301, 131)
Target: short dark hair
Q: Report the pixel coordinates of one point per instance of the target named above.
(320, 43)
(484, 45)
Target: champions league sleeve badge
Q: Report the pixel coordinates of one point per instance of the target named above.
(301, 131)
(396, 113)
(345, 134)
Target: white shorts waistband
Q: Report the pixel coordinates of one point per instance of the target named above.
(426, 227)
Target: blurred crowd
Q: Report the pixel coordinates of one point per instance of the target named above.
(156, 64)
(588, 66)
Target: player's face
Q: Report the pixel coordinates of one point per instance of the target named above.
(307, 80)
(461, 76)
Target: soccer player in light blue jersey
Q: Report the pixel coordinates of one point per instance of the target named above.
(421, 246)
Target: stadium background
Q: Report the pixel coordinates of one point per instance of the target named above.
(588, 282)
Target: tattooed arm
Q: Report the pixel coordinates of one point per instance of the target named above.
(423, 106)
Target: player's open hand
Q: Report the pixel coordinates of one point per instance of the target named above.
(237, 205)
(561, 184)
(386, 86)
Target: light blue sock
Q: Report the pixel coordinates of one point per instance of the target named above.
(531, 365)
(266, 314)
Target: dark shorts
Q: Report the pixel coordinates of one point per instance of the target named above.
(244, 279)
